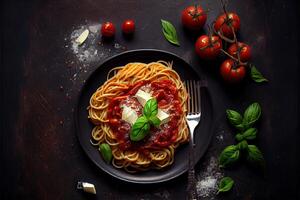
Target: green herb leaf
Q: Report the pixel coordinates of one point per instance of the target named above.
(105, 152)
(235, 119)
(225, 184)
(169, 32)
(140, 129)
(155, 121)
(257, 76)
(255, 156)
(229, 155)
(242, 145)
(251, 115)
(150, 108)
(249, 134)
(239, 137)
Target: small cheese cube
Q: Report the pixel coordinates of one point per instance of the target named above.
(143, 97)
(163, 116)
(86, 187)
(129, 115)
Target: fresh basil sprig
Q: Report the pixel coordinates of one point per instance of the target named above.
(169, 32)
(225, 184)
(249, 134)
(257, 76)
(105, 152)
(232, 153)
(251, 115)
(229, 156)
(141, 127)
(235, 119)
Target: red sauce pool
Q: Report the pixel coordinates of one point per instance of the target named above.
(167, 97)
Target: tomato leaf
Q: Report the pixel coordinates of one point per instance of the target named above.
(140, 129)
(150, 108)
(169, 32)
(229, 156)
(257, 76)
(106, 152)
(225, 184)
(251, 115)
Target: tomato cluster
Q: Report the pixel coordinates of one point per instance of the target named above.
(108, 29)
(210, 46)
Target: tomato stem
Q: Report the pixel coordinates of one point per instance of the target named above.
(233, 58)
(236, 43)
(220, 34)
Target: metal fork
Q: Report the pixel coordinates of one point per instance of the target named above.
(193, 118)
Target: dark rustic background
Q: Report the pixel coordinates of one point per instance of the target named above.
(41, 78)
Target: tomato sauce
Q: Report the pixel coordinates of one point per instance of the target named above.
(167, 97)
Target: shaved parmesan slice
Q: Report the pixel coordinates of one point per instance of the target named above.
(163, 116)
(129, 115)
(82, 37)
(86, 187)
(143, 97)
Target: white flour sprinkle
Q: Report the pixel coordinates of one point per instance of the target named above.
(87, 52)
(208, 179)
(92, 49)
(220, 137)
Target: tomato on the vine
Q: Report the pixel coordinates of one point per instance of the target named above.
(243, 49)
(128, 26)
(231, 72)
(208, 47)
(193, 17)
(108, 29)
(224, 23)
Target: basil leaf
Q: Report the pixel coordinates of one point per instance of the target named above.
(251, 115)
(150, 108)
(242, 145)
(105, 152)
(225, 184)
(140, 129)
(239, 137)
(229, 155)
(155, 121)
(257, 76)
(235, 119)
(255, 156)
(169, 32)
(249, 134)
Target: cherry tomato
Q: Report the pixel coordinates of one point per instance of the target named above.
(243, 49)
(108, 29)
(232, 73)
(208, 47)
(224, 23)
(128, 26)
(193, 17)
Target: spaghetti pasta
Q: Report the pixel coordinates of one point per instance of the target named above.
(104, 111)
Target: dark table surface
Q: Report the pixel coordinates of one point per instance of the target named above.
(41, 75)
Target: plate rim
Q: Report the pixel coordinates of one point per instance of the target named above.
(76, 113)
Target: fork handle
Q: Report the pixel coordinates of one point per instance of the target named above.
(192, 185)
(191, 189)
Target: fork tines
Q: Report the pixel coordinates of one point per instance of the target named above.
(194, 102)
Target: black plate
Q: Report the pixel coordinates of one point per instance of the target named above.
(203, 133)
